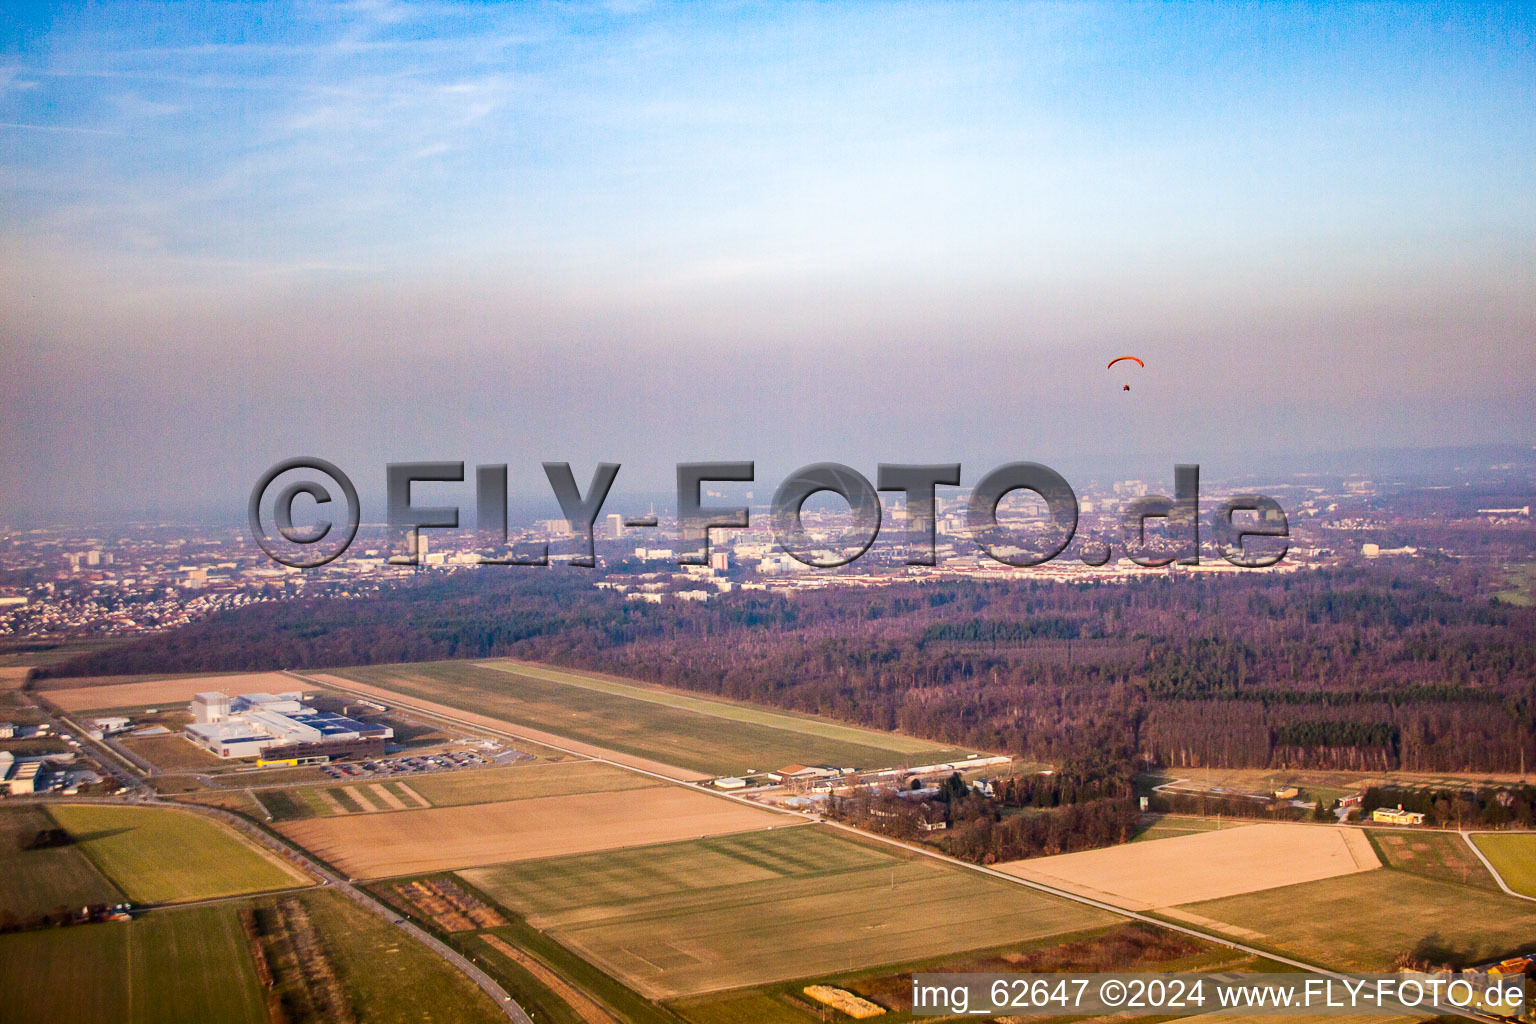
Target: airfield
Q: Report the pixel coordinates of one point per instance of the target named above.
(598, 876)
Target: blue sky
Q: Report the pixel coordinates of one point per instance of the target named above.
(576, 209)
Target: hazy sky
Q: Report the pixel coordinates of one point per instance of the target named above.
(649, 234)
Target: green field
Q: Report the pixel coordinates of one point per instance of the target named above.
(1364, 921)
(1519, 587)
(752, 1007)
(711, 736)
(391, 978)
(452, 789)
(1440, 855)
(521, 782)
(1513, 856)
(1170, 826)
(188, 965)
(37, 882)
(733, 911)
(159, 855)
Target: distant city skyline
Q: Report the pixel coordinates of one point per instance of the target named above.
(790, 233)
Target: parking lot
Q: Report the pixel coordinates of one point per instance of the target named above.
(411, 765)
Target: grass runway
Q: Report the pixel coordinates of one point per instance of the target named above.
(709, 736)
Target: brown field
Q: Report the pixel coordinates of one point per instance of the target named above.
(167, 691)
(511, 729)
(1207, 866)
(172, 753)
(12, 676)
(441, 838)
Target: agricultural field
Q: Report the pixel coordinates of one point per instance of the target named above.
(188, 965)
(710, 737)
(728, 912)
(442, 838)
(1439, 855)
(1364, 921)
(160, 855)
(415, 984)
(38, 882)
(1128, 946)
(452, 789)
(109, 696)
(523, 782)
(1204, 865)
(1513, 856)
(175, 753)
(298, 802)
(1170, 826)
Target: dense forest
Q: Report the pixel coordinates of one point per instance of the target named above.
(1374, 667)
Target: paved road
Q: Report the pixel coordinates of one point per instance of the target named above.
(504, 1000)
(330, 879)
(1489, 865)
(122, 764)
(924, 851)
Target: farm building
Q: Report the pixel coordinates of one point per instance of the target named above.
(791, 772)
(1396, 816)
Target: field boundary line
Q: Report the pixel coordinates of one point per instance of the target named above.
(1158, 922)
(944, 858)
(586, 1006)
(1489, 865)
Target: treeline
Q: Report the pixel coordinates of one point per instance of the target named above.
(981, 830)
(1487, 807)
(1079, 780)
(1210, 805)
(1085, 826)
(1384, 666)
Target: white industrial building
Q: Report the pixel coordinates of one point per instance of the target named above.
(248, 725)
(19, 776)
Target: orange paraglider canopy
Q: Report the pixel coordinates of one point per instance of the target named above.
(1133, 359)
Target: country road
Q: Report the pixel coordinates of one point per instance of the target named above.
(516, 1013)
(924, 851)
(328, 878)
